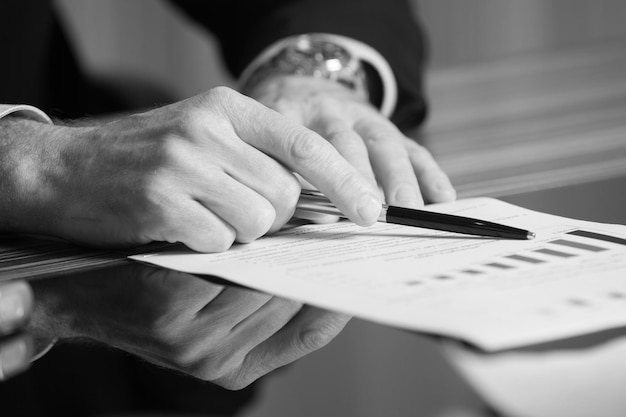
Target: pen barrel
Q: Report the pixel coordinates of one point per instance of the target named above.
(452, 223)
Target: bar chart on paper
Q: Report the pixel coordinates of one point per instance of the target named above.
(574, 244)
(496, 294)
(578, 275)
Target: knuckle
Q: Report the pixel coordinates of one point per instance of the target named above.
(288, 192)
(343, 137)
(243, 374)
(234, 382)
(223, 100)
(221, 93)
(371, 132)
(259, 223)
(219, 244)
(204, 124)
(149, 199)
(162, 156)
(186, 356)
(215, 239)
(226, 100)
(264, 219)
(169, 344)
(302, 145)
(284, 199)
(194, 357)
(221, 369)
(377, 130)
(310, 339)
(318, 333)
(291, 192)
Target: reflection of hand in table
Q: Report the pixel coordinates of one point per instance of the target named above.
(228, 335)
(16, 300)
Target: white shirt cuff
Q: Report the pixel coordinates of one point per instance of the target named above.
(24, 110)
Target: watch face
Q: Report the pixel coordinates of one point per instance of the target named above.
(312, 55)
(317, 58)
(318, 55)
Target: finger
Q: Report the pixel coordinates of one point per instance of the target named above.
(166, 289)
(249, 190)
(242, 208)
(199, 228)
(348, 143)
(434, 182)
(390, 161)
(309, 330)
(261, 173)
(16, 304)
(264, 323)
(224, 365)
(307, 153)
(232, 306)
(230, 206)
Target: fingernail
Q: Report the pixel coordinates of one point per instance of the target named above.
(14, 356)
(11, 308)
(369, 209)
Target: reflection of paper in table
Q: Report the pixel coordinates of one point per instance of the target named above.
(494, 293)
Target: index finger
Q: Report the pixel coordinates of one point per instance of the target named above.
(308, 154)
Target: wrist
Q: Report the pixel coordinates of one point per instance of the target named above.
(277, 88)
(342, 60)
(31, 155)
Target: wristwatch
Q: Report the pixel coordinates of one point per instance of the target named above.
(309, 55)
(327, 56)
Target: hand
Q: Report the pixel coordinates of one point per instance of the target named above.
(228, 335)
(206, 171)
(16, 302)
(406, 171)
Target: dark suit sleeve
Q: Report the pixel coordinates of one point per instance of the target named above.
(244, 28)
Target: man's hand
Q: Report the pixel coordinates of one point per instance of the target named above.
(206, 171)
(406, 171)
(230, 336)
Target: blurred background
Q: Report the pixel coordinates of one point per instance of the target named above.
(369, 370)
(166, 50)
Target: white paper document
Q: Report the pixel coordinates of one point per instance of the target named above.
(495, 294)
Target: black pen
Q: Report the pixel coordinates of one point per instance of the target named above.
(315, 201)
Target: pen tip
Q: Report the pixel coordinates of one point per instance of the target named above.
(530, 235)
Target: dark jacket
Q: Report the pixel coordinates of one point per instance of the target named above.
(38, 66)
